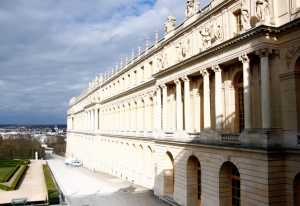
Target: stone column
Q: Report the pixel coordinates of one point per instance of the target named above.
(121, 117)
(132, 123)
(89, 120)
(187, 110)
(206, 100)
(86, 116)
(218, 97)
(179, 116)
(247, 93)
(165, 109)
(158, 108)
(265, 89)
(147, 113)
(96, 119)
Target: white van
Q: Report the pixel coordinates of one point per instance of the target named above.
(69, 161)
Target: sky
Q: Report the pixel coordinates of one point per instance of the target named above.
(50, 50)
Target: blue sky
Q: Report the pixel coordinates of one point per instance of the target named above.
(50, 50)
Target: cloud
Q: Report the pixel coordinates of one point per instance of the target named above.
(51, 49)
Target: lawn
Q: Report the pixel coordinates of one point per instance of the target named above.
(4, 171)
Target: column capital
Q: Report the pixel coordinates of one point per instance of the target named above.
(177, 82)
(204, 72)
(157, 88)
(244, 58)
(264, 52)
(275, 54)
(185, 79)
(163, 86)
(216, 68)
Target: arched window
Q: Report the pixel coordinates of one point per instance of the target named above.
(297, 190)
(235, 187)
(240, 102)
(199, 183)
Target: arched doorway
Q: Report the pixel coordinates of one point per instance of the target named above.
(193, 181)
(240, 102)
(297, 190)
(229, 185)
(168, 175)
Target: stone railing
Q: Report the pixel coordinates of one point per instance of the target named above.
(228, 138)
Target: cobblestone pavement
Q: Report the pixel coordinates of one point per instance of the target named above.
(82, 187)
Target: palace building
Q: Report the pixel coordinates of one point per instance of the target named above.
(208, 115)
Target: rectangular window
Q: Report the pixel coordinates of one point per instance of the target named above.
(238, 22)
(142, 74)
(151, 68)
(135, 78)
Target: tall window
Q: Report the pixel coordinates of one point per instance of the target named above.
(238, 22)
(235, 187)
(198, 184)
(297, 190)
(142, 74)
(240, 96)
(151, 68)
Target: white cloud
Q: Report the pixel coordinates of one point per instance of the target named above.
(51, 49)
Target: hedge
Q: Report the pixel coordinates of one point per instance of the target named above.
(16, 181)
(53, 194)
(10, 174)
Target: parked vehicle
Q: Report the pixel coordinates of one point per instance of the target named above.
(68, 161)
(76, 164)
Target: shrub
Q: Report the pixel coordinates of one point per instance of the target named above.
(53, 194)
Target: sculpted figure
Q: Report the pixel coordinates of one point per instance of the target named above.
(245, 16)
(170, 24)
(178, 49)
(159, 61)
(186, 50)
(206, 37)
(191, 8)
(216, 31)
(165, 62)
(263, 10)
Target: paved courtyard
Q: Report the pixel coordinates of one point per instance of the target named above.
(82, 187)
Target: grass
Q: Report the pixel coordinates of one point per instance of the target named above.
(7, 169)
(53, 194)
(4, 171)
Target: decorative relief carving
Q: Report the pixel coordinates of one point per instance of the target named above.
(170, 24)
(228, 158)
(244, 58)
(183, 49)
(275, 54)
(245, 16)
(291, 51)
(264, 52)
(263, 10)
(191, 8)
(206, 36)
(162, 60)
(211, 33)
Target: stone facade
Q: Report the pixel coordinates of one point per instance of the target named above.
(208, 115)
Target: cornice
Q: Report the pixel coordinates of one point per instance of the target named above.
(253, 33)
(131, 90)
(290, 75)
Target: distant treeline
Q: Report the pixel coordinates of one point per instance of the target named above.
(33, 125)
(20, 149)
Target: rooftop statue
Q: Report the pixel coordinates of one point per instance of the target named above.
(192, 8)
(170, 24)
